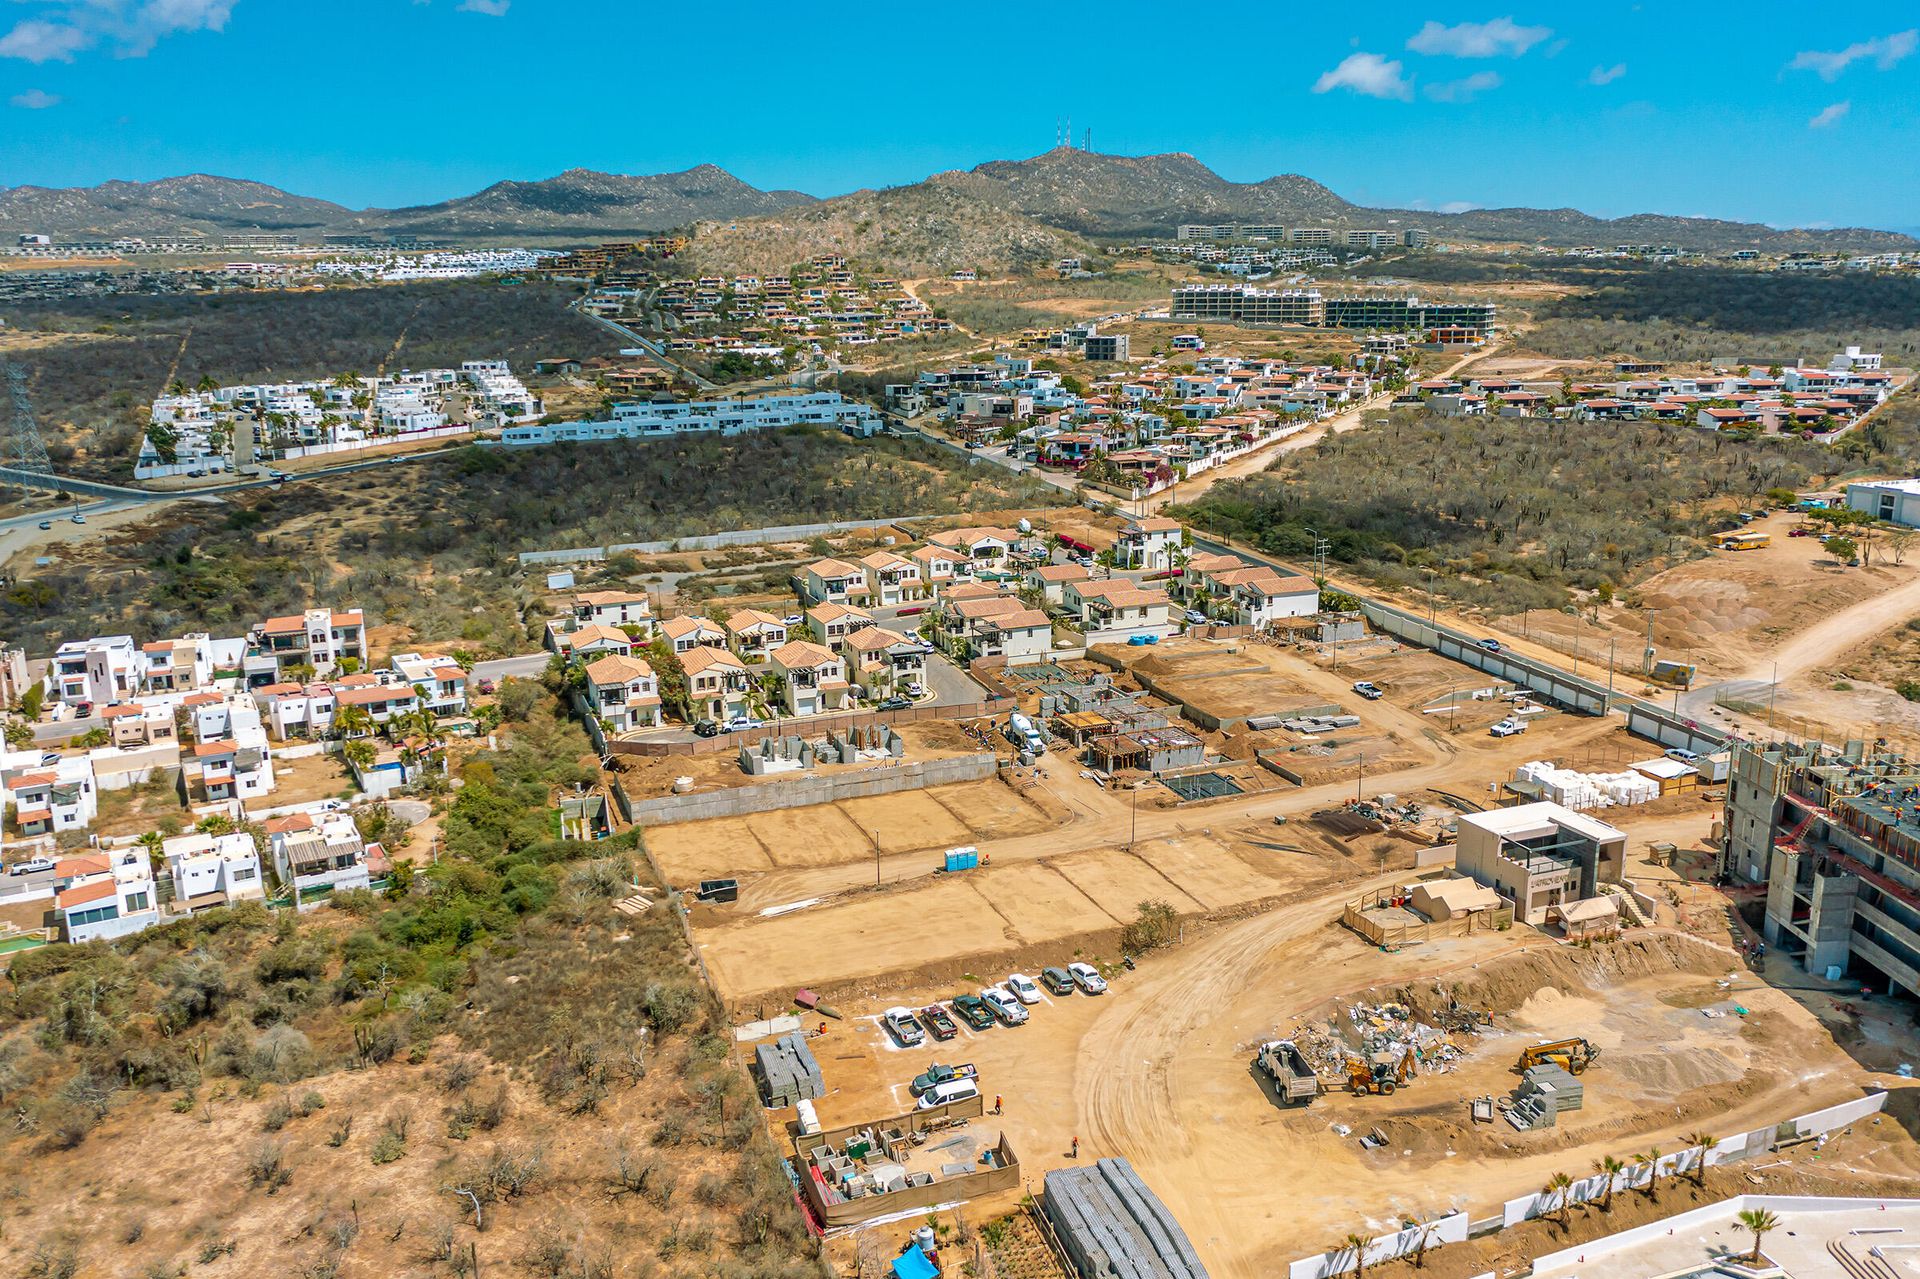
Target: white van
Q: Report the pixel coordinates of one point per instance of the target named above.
(951, 1091)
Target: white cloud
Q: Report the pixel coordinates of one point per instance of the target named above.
(1830, 116)
(35, 100)
(1464, 90)
(1886, 51)
(492, 8)
(1369, 75)
(129, 27)
(1502, 37)
(1606, 75)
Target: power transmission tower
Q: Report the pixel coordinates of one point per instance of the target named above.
(26, 451)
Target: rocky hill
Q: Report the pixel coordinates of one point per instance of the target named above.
(931, 228)
(198, 204)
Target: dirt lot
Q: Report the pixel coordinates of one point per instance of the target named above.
(1158, 1070)
(837, 834)
(646, 776)
(1224, 682)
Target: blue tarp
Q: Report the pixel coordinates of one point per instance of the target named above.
(913, 1264)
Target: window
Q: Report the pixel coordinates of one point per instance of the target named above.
(136, 902)
(97, 915)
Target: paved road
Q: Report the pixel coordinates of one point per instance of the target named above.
(524, 666)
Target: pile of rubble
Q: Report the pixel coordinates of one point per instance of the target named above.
(1392, 1029)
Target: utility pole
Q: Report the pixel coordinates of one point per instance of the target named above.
(1610, 644)
(876, 859)
(1430, 607)
(1360, 781)
(1133, 828)
(1773, 694)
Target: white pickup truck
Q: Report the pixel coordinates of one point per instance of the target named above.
(1508, 727)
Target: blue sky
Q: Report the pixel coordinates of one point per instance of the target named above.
(1765, 111)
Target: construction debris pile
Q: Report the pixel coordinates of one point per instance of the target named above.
(1581, 791)
(1375, 1032)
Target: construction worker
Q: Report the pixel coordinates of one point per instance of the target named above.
(1076, 1147)
(996, 1103)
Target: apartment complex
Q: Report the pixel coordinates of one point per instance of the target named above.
(1834, 833)
(652, 419)
(1244, 304)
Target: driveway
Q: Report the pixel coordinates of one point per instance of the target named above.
(525, 666)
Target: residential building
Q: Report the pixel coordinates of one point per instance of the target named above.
(318, 856)
(830, 624)
(1051, 579)
(1835, 836)
(212, 870)
(753, 634)
(687, 633)
(1541, 857)
(113, 901)
(623, 691)
(1259, 596)
(1018, 634)
(1112, 347)
(237, 766)
(1415, 238)
(319, 638)
(382, 700)
(439, 682)
(880, 658)
(977, 548)
(891, 579)
(655, 418)
(176, 665)
(133, 724)
(594, 640)
(1244, 304)
(99, 670)
(938, 566)
(720, 685)
(832, 581)
(50, 798)
(296, 710)
(1150, 543)
(1117, 610)
(815, 678)
(13, 674)
(614, 608)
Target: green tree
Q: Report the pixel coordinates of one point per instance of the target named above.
(1610, 1168)
(18, 736)
(1704, 1143)
(1557, 1190)
(672, 676)
(1759, 1222)
(1841, 548)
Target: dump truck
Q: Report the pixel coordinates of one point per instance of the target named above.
(1293, 1079)
(1575, 1055)
(1382, 1075)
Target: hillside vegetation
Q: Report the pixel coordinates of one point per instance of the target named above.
(431, 544)
(1505, 513)
(486, 1067)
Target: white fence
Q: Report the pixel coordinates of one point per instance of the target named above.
(375, 441)
(1453, 1227)
(1594, 1252)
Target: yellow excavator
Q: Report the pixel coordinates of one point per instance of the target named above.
(1575, 1055)
(1382, 1075)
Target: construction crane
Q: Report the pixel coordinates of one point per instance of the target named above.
(1382, 1075)
(1575, 1055)
(24, 448)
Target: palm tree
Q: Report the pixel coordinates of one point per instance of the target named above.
(1421, 1242)
(1652, 1161)
(1759, 1221)
(152, 841)
(1357, 1245)
(1609, 1167)
(207, 383)
(351, 721)
(1704, 1143)
(1556, 1190)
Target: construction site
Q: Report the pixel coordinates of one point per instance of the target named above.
(1240, 918)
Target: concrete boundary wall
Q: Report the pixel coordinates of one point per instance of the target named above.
(1595, 1252)
(1451, 1228)
(802, 792)
(1743, 1145)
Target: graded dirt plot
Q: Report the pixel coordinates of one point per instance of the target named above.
(852, 939)
(1220, 683)
(1118, 882)
(1038, 901)
(992, 809)
(1208, 871)
(822, 835)
(906, 820)
(724, 846)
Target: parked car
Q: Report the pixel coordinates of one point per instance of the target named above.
(919, 690)
(1088, 978)
(46, 524)
(792, 619)
(935, 1075)
(742, 724)
(1508, 727)
(32, 866)
(948, 1093)
(82, 709)
(1798, 530)
(895, 703)
(1004, 1005)
(705, 728)
(1024, 988)
(486, 686)
(79, 518)
(904, 1027)
(973, 1010)
(938, 1023)
(1058, 981)
(1369, 690)
(1491, 645)
(1682, 754)
(49, 758)
(1195, 617)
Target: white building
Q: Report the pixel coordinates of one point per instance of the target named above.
(1150, 544)
(1541, 857)
(111, 896)
(99, 670)
(49, 798)
(637, 419)
(1895, 501)
(213, 870)
(312, 855)
(624, 692)
(319, 638)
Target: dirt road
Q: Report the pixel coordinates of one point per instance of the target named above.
(1838, 632)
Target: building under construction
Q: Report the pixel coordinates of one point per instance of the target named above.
(1834, 832)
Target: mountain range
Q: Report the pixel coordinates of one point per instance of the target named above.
(1043, 203)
